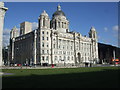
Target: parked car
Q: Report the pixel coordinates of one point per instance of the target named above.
(117, 62)
(19, 65)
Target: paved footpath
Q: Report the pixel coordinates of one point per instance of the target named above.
(39, 67)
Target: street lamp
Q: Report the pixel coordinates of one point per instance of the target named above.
(90, 63)
(114, 56)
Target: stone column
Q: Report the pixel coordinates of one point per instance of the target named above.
(2, 14)
(35, 47)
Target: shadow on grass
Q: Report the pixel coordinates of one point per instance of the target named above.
(99, 79)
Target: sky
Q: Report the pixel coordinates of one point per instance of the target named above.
(81, 15)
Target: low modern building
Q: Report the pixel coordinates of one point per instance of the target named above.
(52, 42)
(107, 53)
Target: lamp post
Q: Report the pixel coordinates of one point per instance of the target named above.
(17, 52)
(26, 63)
(114, 56)
(90, 63)
(8, 62)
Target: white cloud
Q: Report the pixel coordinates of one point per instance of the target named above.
(115, 28)
(6, 37)
(34, 25)
(99, 37)
(6, 33)
(105, 29)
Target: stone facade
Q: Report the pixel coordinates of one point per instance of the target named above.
(53, 43)
(25, 27)
(2, 14)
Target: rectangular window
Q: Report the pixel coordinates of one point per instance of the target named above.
(47, 38)
(47, 58)
(43, 58)
(71, 47)
(47, 51)
(72, 58)
(42, 51)
(62, 24)
(63, 47)
(47, 45)
(59, 24)
(60, 58)
(42, 44)
(42, 38)
(59, 46)
(54, 45)
(55, 57)
(42, 32)
(67, 46)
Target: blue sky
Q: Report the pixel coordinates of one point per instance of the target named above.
(103, 16)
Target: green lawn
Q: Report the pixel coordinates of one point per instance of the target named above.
(100, 77)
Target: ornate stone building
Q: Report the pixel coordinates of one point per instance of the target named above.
(2, 14)
(52, 42)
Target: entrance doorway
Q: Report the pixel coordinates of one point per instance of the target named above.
(79, 57)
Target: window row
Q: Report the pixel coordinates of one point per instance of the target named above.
(43, 44)
(45, 58)
(43, 38)
(64, 58)
(64, 52)
(44, 32)
(45, 51)
(58, 52)
(62, 24)
(63, 46)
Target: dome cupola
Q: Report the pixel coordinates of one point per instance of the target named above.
(59, 12)
(59, 21)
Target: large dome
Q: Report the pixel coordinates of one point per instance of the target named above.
(59, 12)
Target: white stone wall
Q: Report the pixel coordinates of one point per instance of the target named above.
(25, 28)
(56, 45)
(65, 47)
(14, 33)
(62, 51)
(45, 46)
